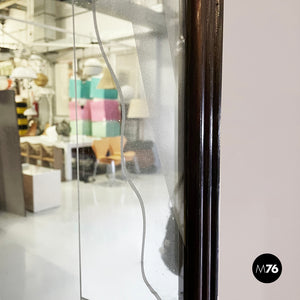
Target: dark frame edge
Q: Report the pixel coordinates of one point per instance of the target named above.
(203, 67)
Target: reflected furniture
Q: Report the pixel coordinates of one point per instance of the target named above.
(11, 182)
(146, 156)
(80, 117)
(138, 110)
(46, 156)
(101, 151)
(108, 151)
(66, 146)
(22, 119)
(42, 187)
(115, 151)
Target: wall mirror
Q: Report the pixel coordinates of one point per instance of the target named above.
(110, 166)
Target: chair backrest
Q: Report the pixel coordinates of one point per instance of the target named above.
(100, 147)
(115, 144)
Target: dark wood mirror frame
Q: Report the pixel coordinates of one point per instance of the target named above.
(203, 67)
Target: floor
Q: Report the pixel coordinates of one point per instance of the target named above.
(39, 254)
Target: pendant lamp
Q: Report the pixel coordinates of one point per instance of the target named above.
(106, 83)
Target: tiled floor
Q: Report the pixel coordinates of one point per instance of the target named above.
(39, 254)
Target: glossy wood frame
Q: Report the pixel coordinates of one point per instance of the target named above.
(203, 65)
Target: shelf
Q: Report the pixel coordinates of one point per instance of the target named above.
(47, 156)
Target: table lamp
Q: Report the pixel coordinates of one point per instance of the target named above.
(138, 109)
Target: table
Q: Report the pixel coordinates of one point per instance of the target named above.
(67, 146)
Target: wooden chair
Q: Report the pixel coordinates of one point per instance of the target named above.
(115, 151)
(108, 151)
(101, 151)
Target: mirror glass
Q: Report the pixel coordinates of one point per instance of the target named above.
(98, 150)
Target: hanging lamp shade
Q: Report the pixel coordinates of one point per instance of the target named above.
(23, 73)
(106, 83)
(92, 67)
(41, 79)
(31, 111)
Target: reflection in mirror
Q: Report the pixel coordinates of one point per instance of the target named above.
(100, 150)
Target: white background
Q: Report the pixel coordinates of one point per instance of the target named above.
(260, 147)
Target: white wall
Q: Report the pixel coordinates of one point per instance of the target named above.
(260, 147)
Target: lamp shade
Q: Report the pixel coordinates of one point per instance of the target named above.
(92, 67)
(41, 79)
(106, 81)
(30, 111)
(138, 109)
(23, 73)
(128, 92)
(35, 58)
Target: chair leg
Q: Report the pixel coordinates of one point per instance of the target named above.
(95, 169)
(136, 165)
(113, 170)
(111, 173)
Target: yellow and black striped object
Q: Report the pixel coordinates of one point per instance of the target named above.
(22, 119)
